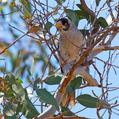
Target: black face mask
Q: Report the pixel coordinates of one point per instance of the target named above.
(65, 23)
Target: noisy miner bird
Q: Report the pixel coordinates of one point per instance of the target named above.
(71, 45)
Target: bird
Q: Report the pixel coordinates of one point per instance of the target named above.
(71, 44)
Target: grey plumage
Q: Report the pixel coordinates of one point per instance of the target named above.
(71, 44)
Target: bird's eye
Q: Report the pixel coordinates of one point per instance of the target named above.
(65, 23)
(66, 26)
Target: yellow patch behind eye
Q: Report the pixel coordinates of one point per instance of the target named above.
(58, 25)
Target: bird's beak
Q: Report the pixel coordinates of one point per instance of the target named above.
(58, 25)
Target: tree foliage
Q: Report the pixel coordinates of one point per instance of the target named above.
(29, 62)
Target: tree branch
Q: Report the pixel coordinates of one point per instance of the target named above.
(67, 117)
(64, 83)
(93, 17)
(13, 43)
(90, 53)
(86, 9)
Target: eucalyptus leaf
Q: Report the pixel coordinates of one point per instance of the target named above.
(97, 2)
(79, 6)
(11, 117)
(10, 78)
(87, 101)
(53, 80)
(19, 91)
(19, 80)
(26, 4)
(48, 25)
(28, 70)
(10, 109)
(60, 1)
(66, 111)
(74, 84)
(36, 82)
(27, 107)
(15, 86)
(102, 22)
(12, 6)
(85, 14)
(72, 14)
(84, 32)
(27, 14)
(47, 97)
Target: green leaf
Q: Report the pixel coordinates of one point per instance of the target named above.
(97, 2)
(79, 6)
(20, 95)
(102, 22)
(10, 109)
(12, 5)
(19, 91)
(11, 117)
(81, 14)
(85, 14)
(84, 32)
(10, 78)
(36, 82)
(72, 14)
(14, 35)
(74, 84)
(60, 1)
(19, 80)
(26, 4)
(67, 112)
(27, 14)
(28, 70)
(47, 97)
(27, 107)
(15, 85)
(1, 8)
(27, 8)
(16, 88)
(48, 25)
(87, 100)
(53, 80)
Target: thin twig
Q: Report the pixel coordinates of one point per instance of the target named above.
(10, 45)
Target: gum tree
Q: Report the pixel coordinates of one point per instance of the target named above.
(31, 83)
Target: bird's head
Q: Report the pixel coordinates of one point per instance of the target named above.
(63, 24)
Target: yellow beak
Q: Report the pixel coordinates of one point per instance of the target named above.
(58, 25)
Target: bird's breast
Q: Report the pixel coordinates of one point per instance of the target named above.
(68, 50)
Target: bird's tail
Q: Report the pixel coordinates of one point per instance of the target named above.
(88, 78)
(68, 99)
